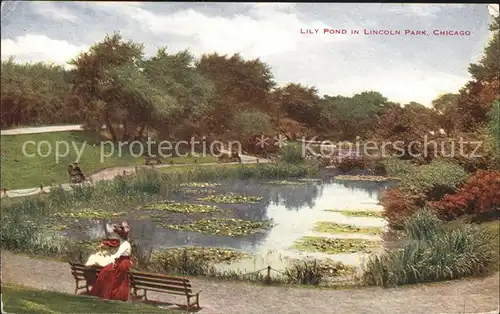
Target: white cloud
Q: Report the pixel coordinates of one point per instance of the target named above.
(272, 32)
(37, 48)
(49, 9)
(422, 10)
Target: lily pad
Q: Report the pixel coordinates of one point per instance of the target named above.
(286, 182)
(181, 207)
(334, 246)
(200, 184)
(89, 214)
(364, 178)
(232, 199)
(224, 226)
(209, 254)
(358, 213)
(331, 227)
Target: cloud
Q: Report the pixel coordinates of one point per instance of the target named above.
(272, 31)
(421, 10)
(38, 48)
(48, 9)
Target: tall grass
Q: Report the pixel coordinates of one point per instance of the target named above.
(433, 251)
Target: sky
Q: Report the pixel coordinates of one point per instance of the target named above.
(403, 68)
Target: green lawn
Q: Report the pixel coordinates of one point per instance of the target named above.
(18, 299)
(22, 171)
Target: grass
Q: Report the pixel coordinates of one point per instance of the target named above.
(18, 299)
(334, 246)
(21, 171)
(433, 250)
(357, 213)
(331, 227)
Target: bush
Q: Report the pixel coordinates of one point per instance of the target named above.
(398, 168)
(291, 154)
(479, 197)
(397, 204)
(433, 251)
(348, 163)
(433, 181)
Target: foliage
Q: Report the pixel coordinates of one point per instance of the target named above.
(224, 226)
(334, 246)
(433, 251)
(435, 179)
(494, 129)
(291, 154)
(181, 207)
(249, 122)
(479, 196)
(331, 227)
(357, 213)
(397, 204)
(231, 199)
(396, 167)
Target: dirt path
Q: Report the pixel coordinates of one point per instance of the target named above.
(218, 297)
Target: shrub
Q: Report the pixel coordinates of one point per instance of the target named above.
(398, 168)
(433, 251)
(350, 163)
(292, 154)
(480, 196)
(434, 180)
(397, 204)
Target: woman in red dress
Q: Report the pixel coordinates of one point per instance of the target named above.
(113, 282)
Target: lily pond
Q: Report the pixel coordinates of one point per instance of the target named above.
(271, 222)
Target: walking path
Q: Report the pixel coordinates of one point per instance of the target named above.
(104, 174)
(461, 296)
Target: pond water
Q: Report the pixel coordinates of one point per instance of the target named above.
(295, 209)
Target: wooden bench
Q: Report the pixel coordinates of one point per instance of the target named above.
(139, 281)
(165, 284)
(148, 160)
(83, 273)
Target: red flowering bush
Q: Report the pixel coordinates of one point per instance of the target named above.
(479, 196)
(397, 206)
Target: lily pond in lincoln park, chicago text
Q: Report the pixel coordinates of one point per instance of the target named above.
(260, 223)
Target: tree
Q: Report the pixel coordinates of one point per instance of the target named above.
(93, 82)
(298, 103)
(239, 84)
(447, 114)
(32, 93)
(494, 129)
(250, 122)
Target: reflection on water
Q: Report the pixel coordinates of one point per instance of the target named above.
(294, 208)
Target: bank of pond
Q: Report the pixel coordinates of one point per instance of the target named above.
(306, 228)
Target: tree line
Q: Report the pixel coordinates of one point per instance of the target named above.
(176, 96)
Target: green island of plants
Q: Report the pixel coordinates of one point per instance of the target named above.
(334, 246)
(211, 254)
(364, 178)
(286, 182)
(331, 227)
(181, 207)
(231, 198)
(89, 214)
(224, 226)
(200, 184)
(357, 213)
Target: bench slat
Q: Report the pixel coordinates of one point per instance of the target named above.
(161, 289)
(172, 278)
(147, 285)
(172, 292)
(160, 281)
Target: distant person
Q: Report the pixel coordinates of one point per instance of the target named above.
(113, 282)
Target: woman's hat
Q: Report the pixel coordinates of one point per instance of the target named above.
(122, 230)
